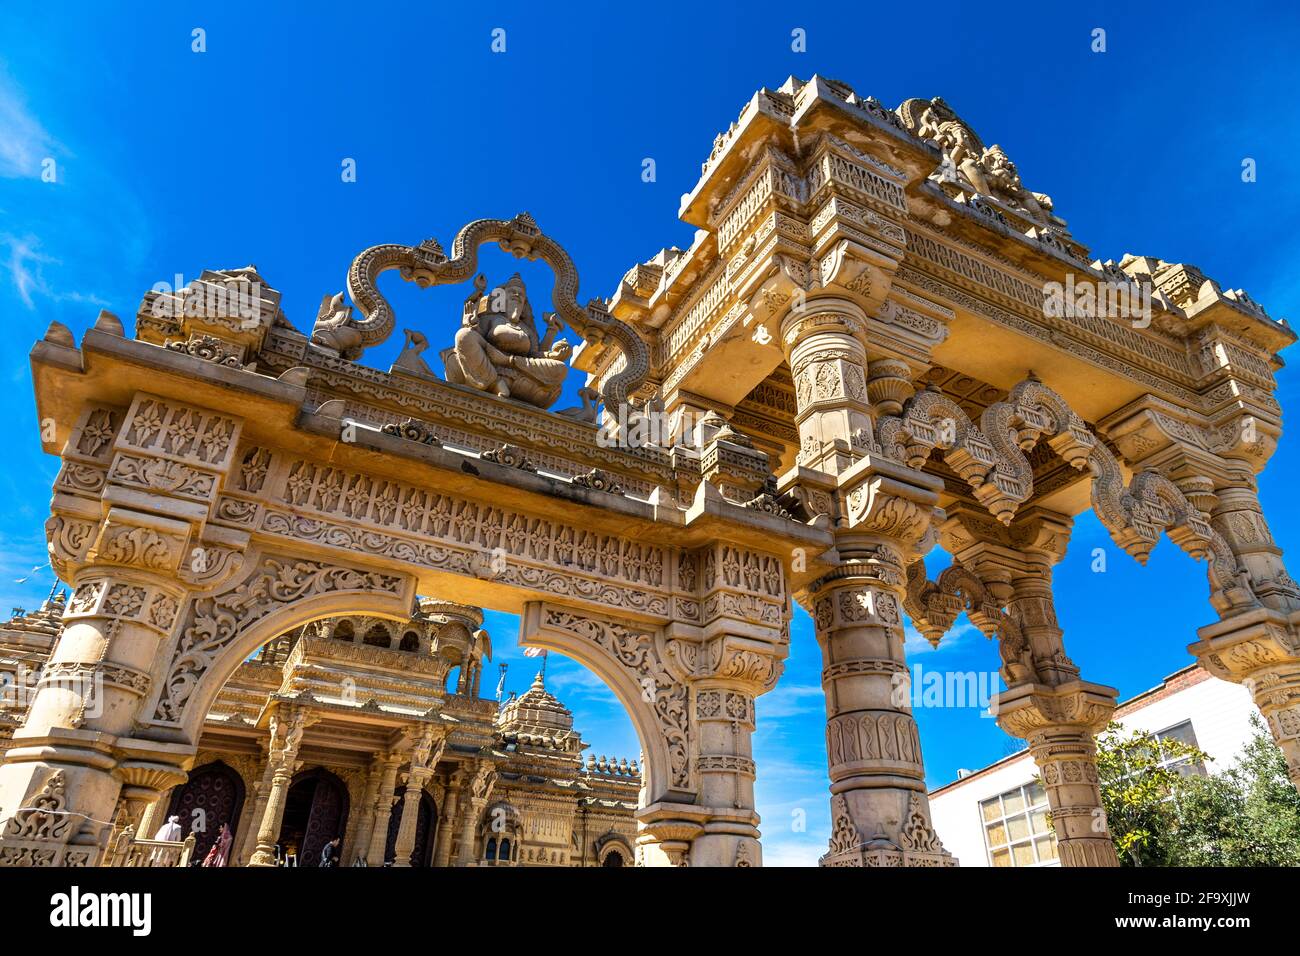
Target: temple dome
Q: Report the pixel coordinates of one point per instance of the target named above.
(538, 718)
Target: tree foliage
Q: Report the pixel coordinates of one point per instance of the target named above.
(1163, 811)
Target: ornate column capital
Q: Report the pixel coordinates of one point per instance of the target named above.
(1031, 710)
(1036, 539)
(823, 314)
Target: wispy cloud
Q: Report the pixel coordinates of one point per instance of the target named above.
(24, 142)
(791, 700)
(24, 261)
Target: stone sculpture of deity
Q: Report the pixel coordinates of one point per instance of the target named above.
(498, 349)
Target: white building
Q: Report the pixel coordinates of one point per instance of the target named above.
(997, 816)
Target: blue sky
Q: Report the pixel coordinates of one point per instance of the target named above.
(170, 161)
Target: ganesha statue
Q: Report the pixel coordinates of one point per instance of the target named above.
(498, 348)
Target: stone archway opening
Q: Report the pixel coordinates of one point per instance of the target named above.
(315, 813)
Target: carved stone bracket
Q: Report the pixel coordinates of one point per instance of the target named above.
(991, 459)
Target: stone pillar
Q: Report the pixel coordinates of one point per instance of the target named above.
(1059, 724)
(880, 511)
(447, 826)
(405, 846)
(1002, 576)
(1260, 649)
(827, 354)
(478, 790)
(78, 728)
(152, 818)
(288, 724)
(357, 844)
(425, 755)
(143, 787)
(879, 809)
(389, 763)
(261, 790)
(1236, 514)
(725, 710)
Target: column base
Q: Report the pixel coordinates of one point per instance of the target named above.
(884, 853)
(918, 844)
(1078, 852)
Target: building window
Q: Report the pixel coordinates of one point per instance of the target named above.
(1183, 734)
(1016, 831)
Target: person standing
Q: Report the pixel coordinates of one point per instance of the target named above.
(169, 832)
(220, 851)
(329, 854)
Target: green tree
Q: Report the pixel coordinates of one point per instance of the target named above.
(1139, 786)
(1163, 813)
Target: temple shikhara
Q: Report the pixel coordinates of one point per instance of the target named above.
(881, 341)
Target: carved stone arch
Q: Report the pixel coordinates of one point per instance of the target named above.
(991, 458)
(452, 642)
(217, 632)
(613, 842)
(629, 657)
(378, 633)
(427, 265)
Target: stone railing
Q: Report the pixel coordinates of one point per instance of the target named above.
(128, 851)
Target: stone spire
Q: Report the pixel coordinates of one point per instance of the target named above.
(537, 718)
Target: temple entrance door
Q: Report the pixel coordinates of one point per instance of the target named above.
(315, 812)
(213, 795)
(426, 824)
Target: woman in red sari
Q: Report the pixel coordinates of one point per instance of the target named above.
(220, 851)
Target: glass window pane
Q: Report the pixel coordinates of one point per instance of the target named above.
(997, 834)
(1037, 795)
(1023, 854)
(1183, 733)
(1018, 827)
(1039, 821)
(992, 809)
(1002, 858)
(1014, 802)
(1046, 848)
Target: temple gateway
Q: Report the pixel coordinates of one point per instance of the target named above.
(880, 341)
